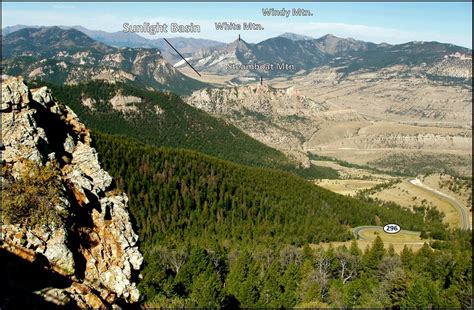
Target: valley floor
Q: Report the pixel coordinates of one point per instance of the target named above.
(409, 192)
(431, 190)
(396, 128)
(383, 120)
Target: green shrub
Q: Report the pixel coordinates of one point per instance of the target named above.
(30, 199)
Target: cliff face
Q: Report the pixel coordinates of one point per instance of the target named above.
(280, 118)
(93, 243)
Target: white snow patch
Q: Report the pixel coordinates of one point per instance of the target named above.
(182, 62)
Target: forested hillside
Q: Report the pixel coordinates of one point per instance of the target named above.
(205, 222)
(163, 119)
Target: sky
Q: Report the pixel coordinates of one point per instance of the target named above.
(388, 22)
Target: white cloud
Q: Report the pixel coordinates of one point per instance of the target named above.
(63, 6)
(106, 22)
(110, 22)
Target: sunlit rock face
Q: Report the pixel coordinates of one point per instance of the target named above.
(94, 244)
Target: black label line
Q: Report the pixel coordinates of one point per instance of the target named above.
(182, 57)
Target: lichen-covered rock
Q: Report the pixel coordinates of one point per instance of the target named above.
(42, 95)
(115, 272)
(85, 159)
(96, 228)
(69, 144)
(52, 243)
(21, 136)
(55, 296)
(15, 94)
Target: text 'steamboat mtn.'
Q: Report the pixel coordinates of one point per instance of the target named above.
(66, 55)
(346, 55)
(431, 59)
(213, 197)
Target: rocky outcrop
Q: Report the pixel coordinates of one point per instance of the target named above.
(95, 245)
(455, 65)
(125, 104)
(279, 117)
(256, 98)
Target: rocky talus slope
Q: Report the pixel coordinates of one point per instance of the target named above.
(94, 245)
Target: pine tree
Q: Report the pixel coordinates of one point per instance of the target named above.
(391, 250)
(196, 264)
(407, 257)
(374, 256)
(289, 281)
(242, 282)
(417, 295)
(271, 289)
(207, 290)
(354, 249)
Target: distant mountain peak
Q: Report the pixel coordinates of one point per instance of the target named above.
(295, 37)
(238, 45)
(49, 41)
(329, 36)
(122, 39)
(239, 42)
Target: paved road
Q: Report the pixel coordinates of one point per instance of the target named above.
(416, 182)
(462, 211)
(356, 232)
(358, 229)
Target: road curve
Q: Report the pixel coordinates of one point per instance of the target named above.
(356, 232)
(463, 213)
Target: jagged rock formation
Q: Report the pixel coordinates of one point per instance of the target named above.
(125, 103)
(95, 245)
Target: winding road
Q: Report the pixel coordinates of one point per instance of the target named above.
(462, 211)
(357, 230)
(465, 225)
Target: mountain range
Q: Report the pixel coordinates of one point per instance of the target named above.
(347, 55)
(298, 53)
(186, 46)
(126, 183)
(68, 56)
